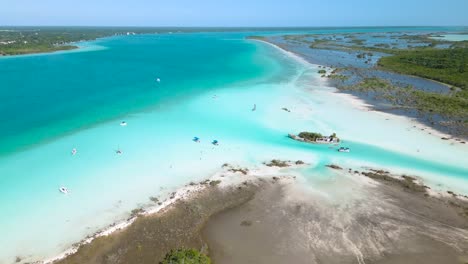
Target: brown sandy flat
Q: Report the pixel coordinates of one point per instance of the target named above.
(388, 224)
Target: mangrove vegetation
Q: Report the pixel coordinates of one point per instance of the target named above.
(449, 66)
(186, 256)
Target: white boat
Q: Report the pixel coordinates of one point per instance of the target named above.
(64, 190)
(118, 152)
(73, 152)
(342, 149)
(123, 123)
(158, 80)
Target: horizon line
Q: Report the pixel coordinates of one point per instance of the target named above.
(235, 27)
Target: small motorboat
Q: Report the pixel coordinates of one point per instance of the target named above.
(64, 190)
(158, 80)
(342, 149)
(123, 123)
(118, 152)
(196, 139)
(215, 142)
(73, 152)
(254, 107)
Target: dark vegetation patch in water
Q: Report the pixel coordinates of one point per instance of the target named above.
(414, 187)
(456, 202)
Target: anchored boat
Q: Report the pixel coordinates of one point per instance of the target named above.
(343, 149)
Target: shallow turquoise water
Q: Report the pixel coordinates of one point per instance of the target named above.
(53, 103)
(52, 95)
(209, 83)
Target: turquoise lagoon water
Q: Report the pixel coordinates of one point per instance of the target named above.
(209, 84)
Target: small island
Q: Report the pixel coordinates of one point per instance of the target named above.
(312, 137)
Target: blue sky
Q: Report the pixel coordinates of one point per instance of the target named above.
(234, 12)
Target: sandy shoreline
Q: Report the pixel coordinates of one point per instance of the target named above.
(182, 193)
(361, 104)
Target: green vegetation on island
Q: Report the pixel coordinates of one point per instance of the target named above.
(313, 137)
(335, 75)
(453, 104)
(186, 256)
(444, 65)
(448, 66)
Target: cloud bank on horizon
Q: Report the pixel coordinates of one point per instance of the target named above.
(234, 13)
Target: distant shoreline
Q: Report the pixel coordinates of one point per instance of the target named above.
(41, 40)
(48, 51)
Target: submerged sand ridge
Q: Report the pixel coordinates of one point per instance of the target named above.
(270, 216)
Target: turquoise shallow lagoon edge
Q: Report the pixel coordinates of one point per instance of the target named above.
(208, 85)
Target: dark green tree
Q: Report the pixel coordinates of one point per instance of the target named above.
(186, 256)
(461, 69)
